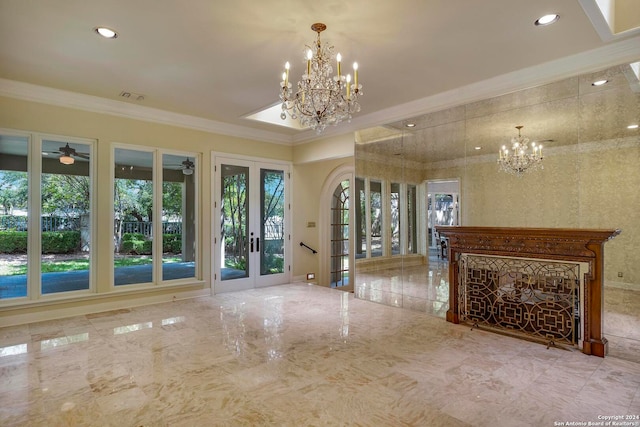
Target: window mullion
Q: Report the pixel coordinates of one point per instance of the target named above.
(34, 248)
(367, 215)
(386, 217)
(403, 207)
(157, 217)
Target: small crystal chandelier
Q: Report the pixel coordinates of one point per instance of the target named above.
(321, 99)
(519, 160)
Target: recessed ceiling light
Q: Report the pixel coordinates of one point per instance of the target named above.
(600, 82)
(478, 148)
(632, 127)
(107, 33)
(547, 19)
(410, 125)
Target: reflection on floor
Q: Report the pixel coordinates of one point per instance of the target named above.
(622, 321)
(426, 288)
(417, 287)
(296, 355)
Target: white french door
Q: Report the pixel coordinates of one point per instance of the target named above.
(251, 224)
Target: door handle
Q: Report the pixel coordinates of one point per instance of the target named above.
(257, 244)
(251, 245)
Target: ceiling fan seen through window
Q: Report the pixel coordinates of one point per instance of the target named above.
(187, 167)
(69, 154)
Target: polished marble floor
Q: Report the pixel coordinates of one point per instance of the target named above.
(296, 355)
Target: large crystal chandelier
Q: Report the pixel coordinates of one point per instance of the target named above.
(320, 98)
(519, 159)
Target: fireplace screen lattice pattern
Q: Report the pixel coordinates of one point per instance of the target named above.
(537, 298)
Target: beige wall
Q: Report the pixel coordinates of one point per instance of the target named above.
(627, 15)
(336, 147)
(610, 198)
(313, 163)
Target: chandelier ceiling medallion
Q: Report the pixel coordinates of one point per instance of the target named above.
(520, 159)
(321, 99)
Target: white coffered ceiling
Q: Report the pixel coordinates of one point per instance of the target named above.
(209, 64)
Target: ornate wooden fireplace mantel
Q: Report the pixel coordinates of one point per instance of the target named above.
(573, 245)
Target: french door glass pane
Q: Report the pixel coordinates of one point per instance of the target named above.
(375, 193)
(178, 217)
(444, 210)
(430, 220)
(14, 192)
(395, 218)
(340, 235)
(133, 213)
(272, 222)
(234, 247)
(65, 217)
(412, 235)
(361, 219)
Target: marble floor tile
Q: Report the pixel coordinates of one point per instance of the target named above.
(297, 355)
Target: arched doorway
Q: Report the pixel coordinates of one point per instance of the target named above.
(336, 254)
(340, 242)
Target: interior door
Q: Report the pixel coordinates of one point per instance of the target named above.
(443, 210)
(251, 234)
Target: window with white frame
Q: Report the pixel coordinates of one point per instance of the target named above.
(48, 221)
(395, 204)
(46, 215)
(155, 221)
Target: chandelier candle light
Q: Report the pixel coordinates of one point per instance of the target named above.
(519, 159)
(321, 99)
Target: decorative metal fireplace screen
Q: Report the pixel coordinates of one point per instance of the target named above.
(537, 298)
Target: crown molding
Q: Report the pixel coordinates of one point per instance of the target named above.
(95, 104)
